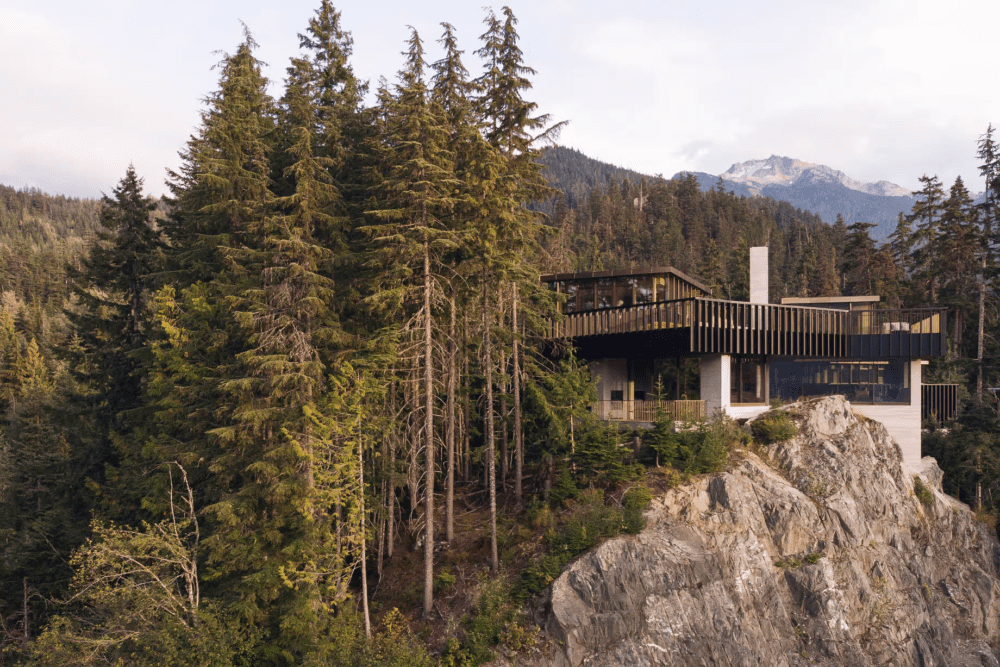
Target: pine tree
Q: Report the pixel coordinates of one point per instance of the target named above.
(925, 217)
(958, 242)
(112, 287)
(411, 234)
(512, 130)
(989, 168)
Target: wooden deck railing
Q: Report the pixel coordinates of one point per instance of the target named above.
(648, 411)
(939, 402)
(738, 327)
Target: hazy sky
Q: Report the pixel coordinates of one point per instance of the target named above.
(878, 89)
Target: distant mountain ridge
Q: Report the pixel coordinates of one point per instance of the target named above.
(777, 170)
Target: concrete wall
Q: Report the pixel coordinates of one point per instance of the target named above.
(758, 275)
(902, 421)
(612, 375)
(714, 370)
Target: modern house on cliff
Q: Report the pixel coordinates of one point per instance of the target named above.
(657, 340)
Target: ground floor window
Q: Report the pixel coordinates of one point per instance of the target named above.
(747, 380)
(859, 381)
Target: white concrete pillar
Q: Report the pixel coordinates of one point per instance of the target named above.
(714, 371)
(758, 275)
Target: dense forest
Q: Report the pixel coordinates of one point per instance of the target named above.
(301, 411)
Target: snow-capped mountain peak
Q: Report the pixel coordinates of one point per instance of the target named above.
(778, 170)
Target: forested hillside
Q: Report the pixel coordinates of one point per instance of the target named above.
(302, 411)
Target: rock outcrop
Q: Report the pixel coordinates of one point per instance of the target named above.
(812, 551)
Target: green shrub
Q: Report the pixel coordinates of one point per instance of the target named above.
(600, 459)
(922, 492)
(444, 581)
(564, 488)
(496, 619)
(695, 447)
(774, 426)
(588, 521)
(634, 503)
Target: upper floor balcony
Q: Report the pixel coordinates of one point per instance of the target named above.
(713, 326)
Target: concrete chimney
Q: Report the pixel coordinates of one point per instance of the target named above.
(758, 275)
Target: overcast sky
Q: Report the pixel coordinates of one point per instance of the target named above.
(878, 89)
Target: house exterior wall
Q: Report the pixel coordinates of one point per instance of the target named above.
(714, 371)
(758, 275)
(902, 421)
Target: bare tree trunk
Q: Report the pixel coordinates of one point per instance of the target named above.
(449, 521)
(364, 537)
(390, 519)
(518, 432)
(414, 434)
(26, 636)
(490, 462)
(428, 439)
(503, 435)
(466, 407)
(979, 332)
(381, 533)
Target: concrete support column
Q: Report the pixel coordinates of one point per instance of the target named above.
(758, 275)
(714, 370)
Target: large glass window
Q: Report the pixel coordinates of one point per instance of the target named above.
(746, 381)
(644, 289)
(570, 290)
(604, 292)
(585, 296)
(624, 289)
(659, 288)
(858, 381)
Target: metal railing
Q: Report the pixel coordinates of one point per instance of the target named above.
(939, 402)
(648, 411)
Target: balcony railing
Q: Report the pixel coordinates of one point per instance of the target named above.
(738, 327)
(648, 411)
(939, 402)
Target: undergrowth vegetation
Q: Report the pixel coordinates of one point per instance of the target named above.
(773, 426)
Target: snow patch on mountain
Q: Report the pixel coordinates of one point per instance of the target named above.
(778, 170)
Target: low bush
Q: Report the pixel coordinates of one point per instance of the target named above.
(496, 620)
(923, 492)
(774, 426)
(587, 521)
(634, 503)
(693, 447)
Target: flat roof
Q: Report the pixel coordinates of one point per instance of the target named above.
(871, 298)
(645, 271)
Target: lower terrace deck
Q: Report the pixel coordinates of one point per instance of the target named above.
(714, 326)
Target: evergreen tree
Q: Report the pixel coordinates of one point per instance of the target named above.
(926, 217)
(112, 286)
(989, 168)
(411, 234)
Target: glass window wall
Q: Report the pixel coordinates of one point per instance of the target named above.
(858, 381)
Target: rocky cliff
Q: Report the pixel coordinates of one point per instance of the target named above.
(812, 551)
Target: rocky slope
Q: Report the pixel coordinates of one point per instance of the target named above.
(813, 551)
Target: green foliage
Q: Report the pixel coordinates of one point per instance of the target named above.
(923, 492)
(774, 426)
(392, 643)
(496, 620)
(444, 581)
(602, 457)
(587, 521)
(635, 501)
(693, 447)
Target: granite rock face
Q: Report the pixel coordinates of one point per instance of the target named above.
(812, 551)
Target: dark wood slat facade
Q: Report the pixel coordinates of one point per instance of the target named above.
(713, 326)
(939, 402)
